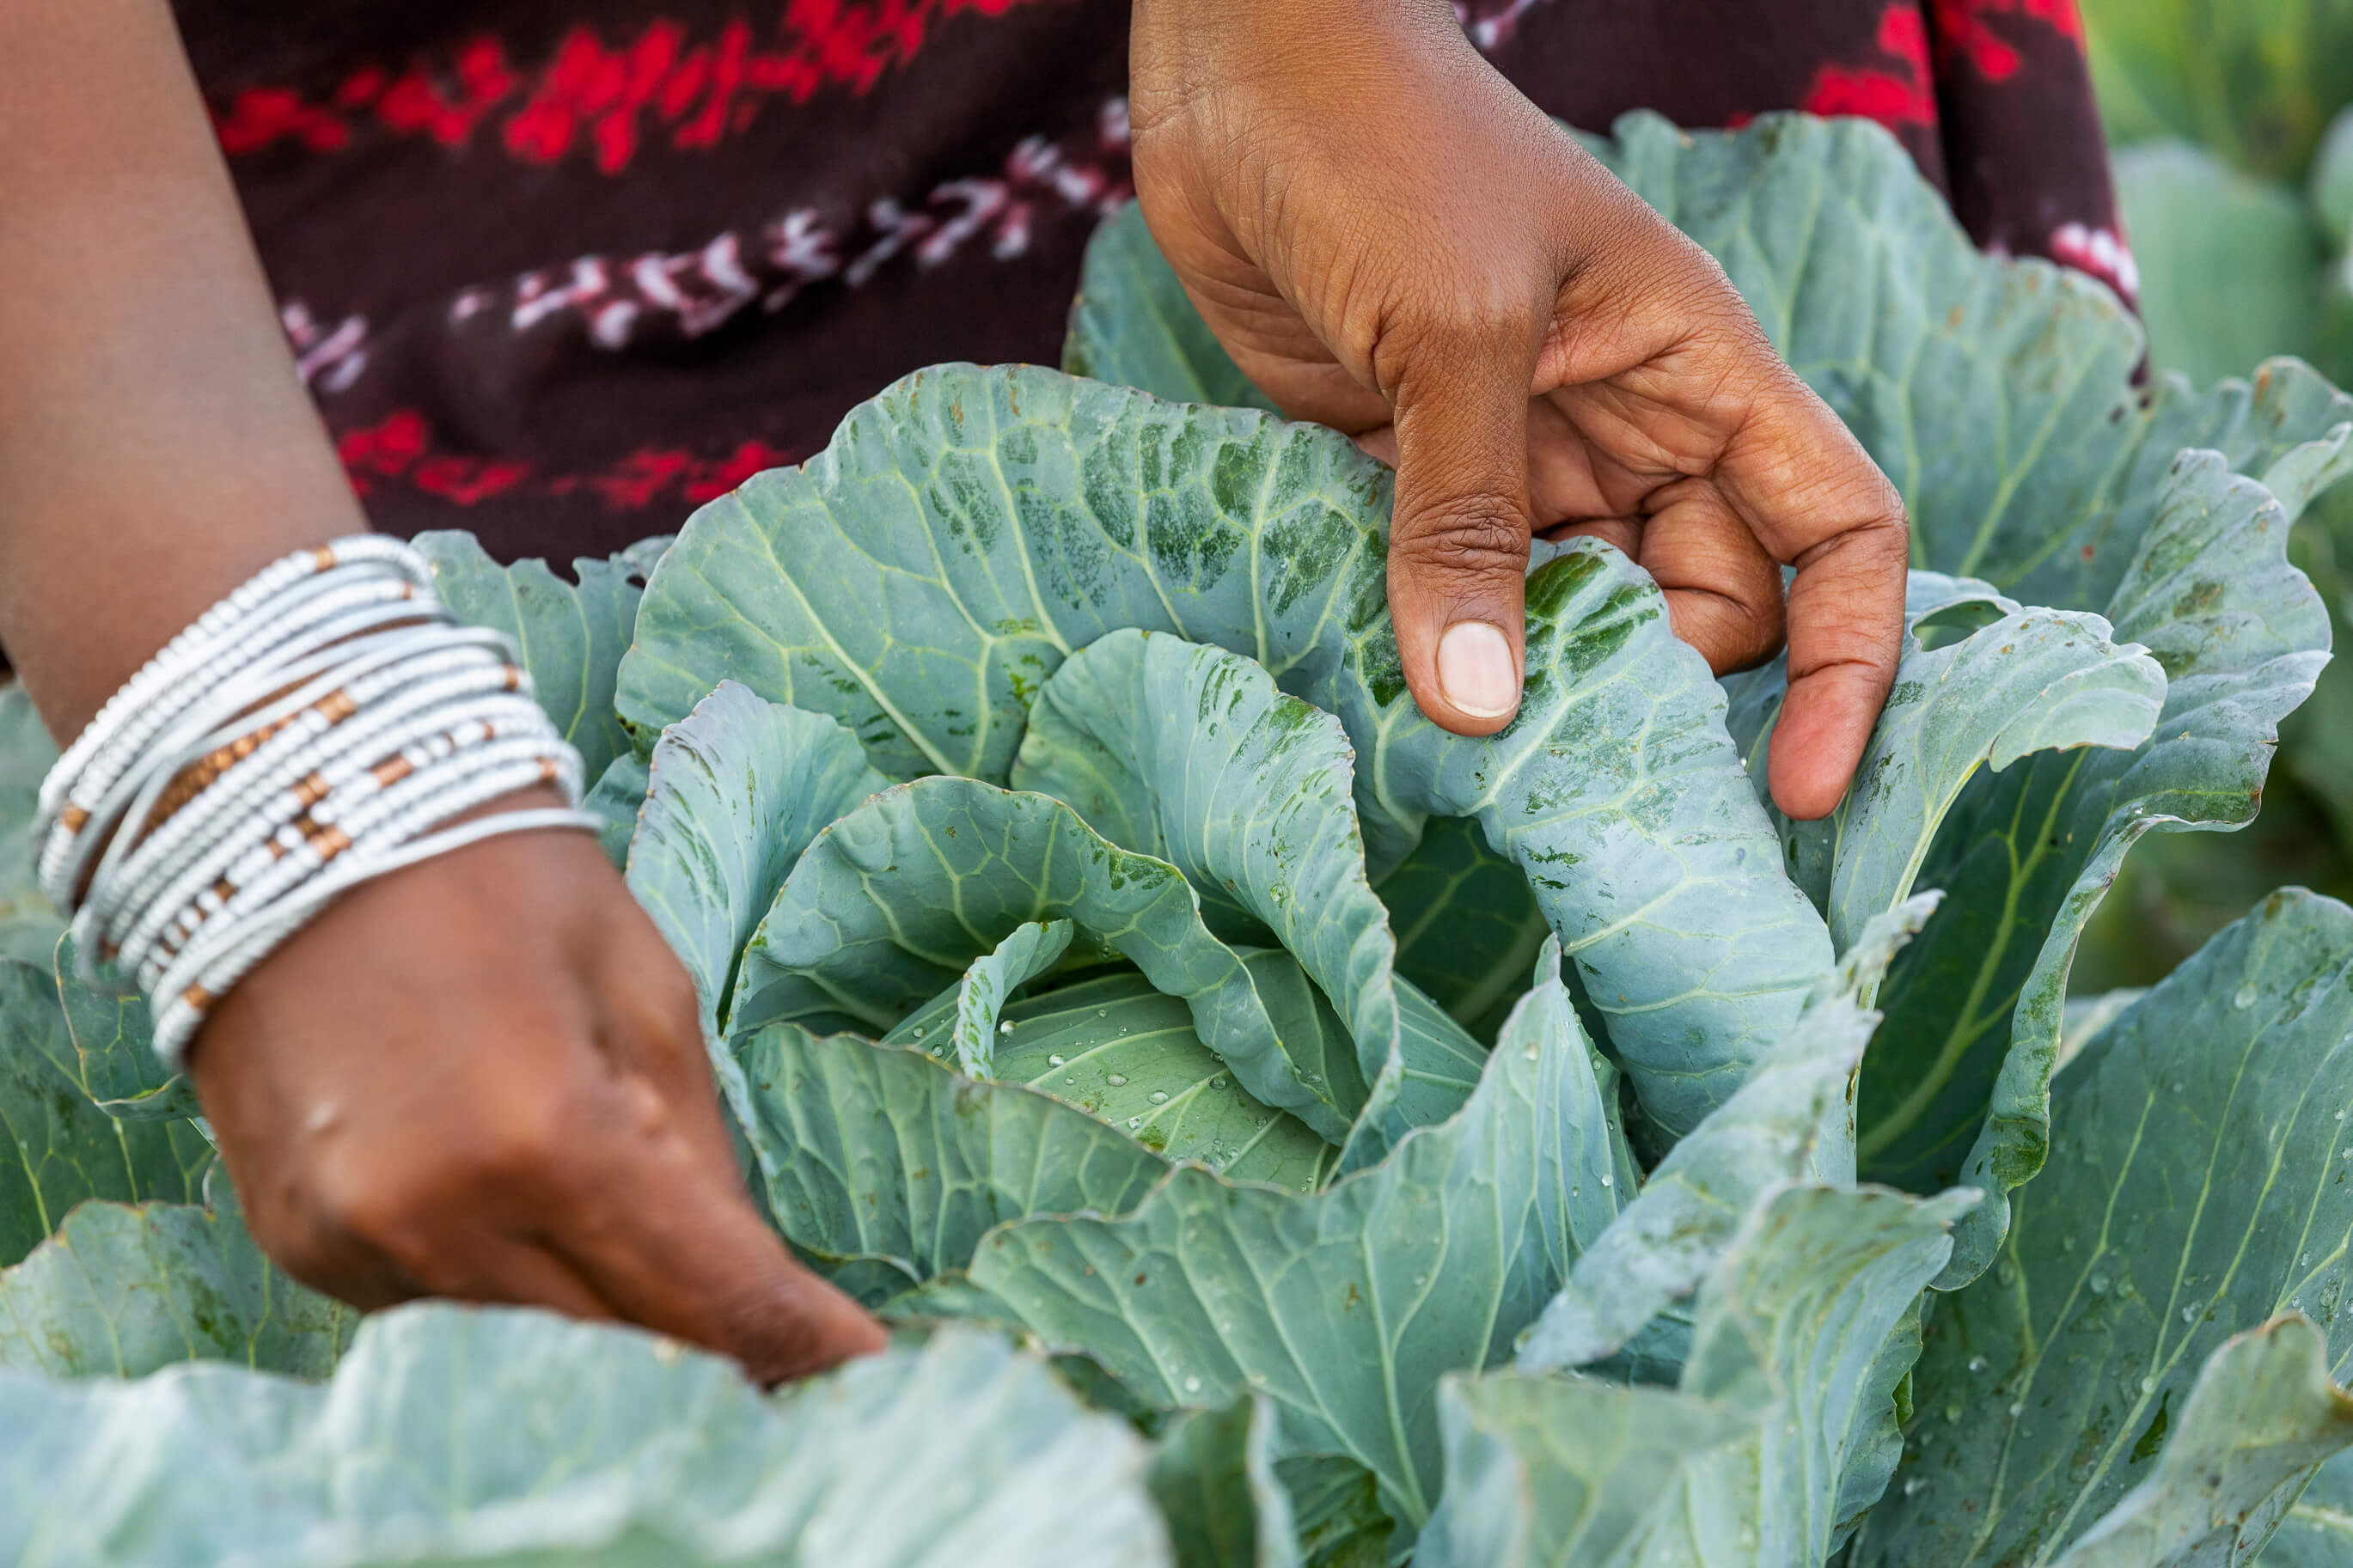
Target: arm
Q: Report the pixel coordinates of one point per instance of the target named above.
(480, 1076)
(1390, 238)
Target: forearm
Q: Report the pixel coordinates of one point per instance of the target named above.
(156, 445)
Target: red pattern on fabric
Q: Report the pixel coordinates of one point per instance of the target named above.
(599, 98)
(1962, 26)
(386, 449)
(1907, 96)
(398, 449)
(415, 103)
(263, 116)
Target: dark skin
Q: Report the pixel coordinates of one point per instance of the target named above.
(483, 1077)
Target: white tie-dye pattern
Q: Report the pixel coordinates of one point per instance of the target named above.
(687, 294)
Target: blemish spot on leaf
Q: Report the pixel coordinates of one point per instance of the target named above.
(2152, 1436)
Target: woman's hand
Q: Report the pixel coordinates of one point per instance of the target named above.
(1391, 240)
(482, 1078)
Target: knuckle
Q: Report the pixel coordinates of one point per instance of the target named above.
(1731, 632)
(1487, 323)
(1474, 316)
(1750, 639)
(518, 1144)
(1471, 536)
(381, 1204)
(396, 1195)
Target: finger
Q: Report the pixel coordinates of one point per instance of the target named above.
(1724, 593)
(684, 1254)
(501, 1271)
(1459, 536)
(1315, 389)
(1800, 479)
(1569, 480)
(1622, 533)
(1566, 483)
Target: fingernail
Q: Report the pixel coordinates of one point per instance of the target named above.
(1476, 671)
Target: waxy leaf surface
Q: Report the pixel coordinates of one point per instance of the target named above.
(1743, 1463)
(2200, 1188)
(887, 1164)
(1191, 754)
(57, 1148)
(1213, 1476)
(449, 1435)
(735, 792)
(570, 636)
(122, 1292)
(987, 523)
(1124, 1054)
(2263, 1416)
(1789, 1122)
(1343, 1308)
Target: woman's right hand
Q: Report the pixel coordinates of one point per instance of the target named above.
(483, 1077)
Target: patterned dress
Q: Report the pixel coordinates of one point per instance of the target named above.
(559, 270)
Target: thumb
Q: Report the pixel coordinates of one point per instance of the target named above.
(1459, 536)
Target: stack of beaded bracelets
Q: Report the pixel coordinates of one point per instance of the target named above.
(305, 734)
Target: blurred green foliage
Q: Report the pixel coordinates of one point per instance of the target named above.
(2256, 82)
(2233, 126)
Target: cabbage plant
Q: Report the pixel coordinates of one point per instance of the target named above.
(1287, 1133)
(2233, 131)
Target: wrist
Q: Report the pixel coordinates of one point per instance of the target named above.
(327, 723)
(1183, 53)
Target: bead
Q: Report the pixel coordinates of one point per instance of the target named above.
(305, 733)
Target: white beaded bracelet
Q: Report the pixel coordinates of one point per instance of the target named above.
(311, 730)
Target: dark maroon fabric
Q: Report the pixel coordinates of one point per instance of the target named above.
(560, 270)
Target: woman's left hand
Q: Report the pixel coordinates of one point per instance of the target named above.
(1391, 240)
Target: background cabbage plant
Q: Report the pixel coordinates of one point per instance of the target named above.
(2232, 121)
(1287, 1133)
